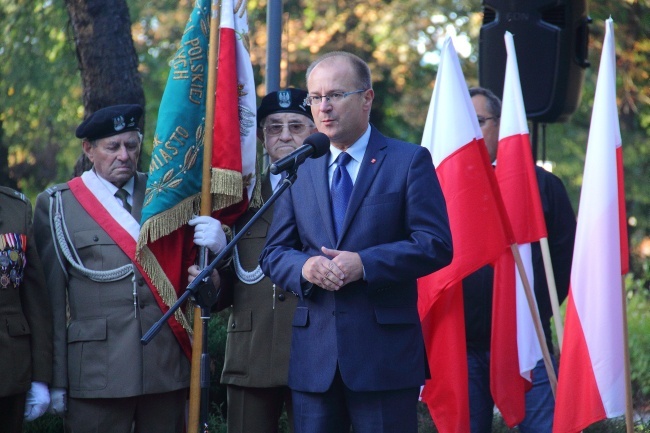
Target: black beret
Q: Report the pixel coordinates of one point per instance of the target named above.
(108, 121)
(289, 100)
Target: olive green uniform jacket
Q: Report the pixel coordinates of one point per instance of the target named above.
(259, 326)
(25, 315)
(97, 348)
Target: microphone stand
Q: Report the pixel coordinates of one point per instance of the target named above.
(206, 296)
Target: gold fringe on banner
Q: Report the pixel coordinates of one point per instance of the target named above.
(226, 187)
(168, 221)
(155, 228)
(165, 289)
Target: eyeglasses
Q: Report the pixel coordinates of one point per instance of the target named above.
(315, 100)
(482, 120)
(277, 128)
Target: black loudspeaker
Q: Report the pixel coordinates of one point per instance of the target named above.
(551, 38)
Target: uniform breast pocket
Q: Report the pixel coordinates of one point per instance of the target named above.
(250, 245)
(97, 250)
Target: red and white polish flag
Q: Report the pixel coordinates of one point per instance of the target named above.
(591, 381)
(515, 347)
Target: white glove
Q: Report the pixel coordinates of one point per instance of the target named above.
(38, 399)
(208, 233)
(58, 397)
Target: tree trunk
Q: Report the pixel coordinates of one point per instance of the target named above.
(107, 58)
(5, 178)
(105, 51)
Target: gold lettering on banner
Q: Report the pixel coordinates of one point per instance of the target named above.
(196, 55)
(165, 156)
(179, 136)
(156, 141)
(179, 61)
(164, 152)
(155, 164)
(181, 75)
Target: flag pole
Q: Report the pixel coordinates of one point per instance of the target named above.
(552, 377)
(206, 209)
(552, 291)
(629, 417)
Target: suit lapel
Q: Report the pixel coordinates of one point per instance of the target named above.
(318, 172)
(372, 161)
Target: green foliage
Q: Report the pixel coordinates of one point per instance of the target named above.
(41, 95)
(217, 348)
(638, 322)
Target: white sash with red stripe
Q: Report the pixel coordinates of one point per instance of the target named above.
(120, 225)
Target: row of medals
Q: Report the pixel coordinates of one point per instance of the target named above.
(12, 259)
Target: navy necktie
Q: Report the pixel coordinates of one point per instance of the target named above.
(340, 191)
(122, 194)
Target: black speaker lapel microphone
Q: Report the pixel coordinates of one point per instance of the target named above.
(314, 146)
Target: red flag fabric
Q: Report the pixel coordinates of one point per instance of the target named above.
(473, 204)
(234, 133)
(515, 349)
(444, 326)
(591, 383)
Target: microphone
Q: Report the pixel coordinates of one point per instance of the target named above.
(314, 146)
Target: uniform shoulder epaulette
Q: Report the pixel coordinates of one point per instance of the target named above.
(60, 187)
(13, 193)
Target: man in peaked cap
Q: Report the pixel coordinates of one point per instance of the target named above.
(104, 379)
(259, 327)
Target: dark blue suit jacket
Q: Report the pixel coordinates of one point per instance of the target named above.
(397, 222)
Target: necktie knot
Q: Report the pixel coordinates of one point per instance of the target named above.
(343, 159)
(122, 194)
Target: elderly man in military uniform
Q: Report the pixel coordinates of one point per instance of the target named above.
(256, 366)
(25, 318)
(101, 299)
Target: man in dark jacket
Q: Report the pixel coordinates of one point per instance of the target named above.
(477, 290)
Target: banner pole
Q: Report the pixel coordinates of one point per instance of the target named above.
(552, 292)
(530, 296)
(206, 209)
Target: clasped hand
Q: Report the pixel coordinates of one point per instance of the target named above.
(334, 271)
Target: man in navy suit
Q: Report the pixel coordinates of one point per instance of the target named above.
(357, 353)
